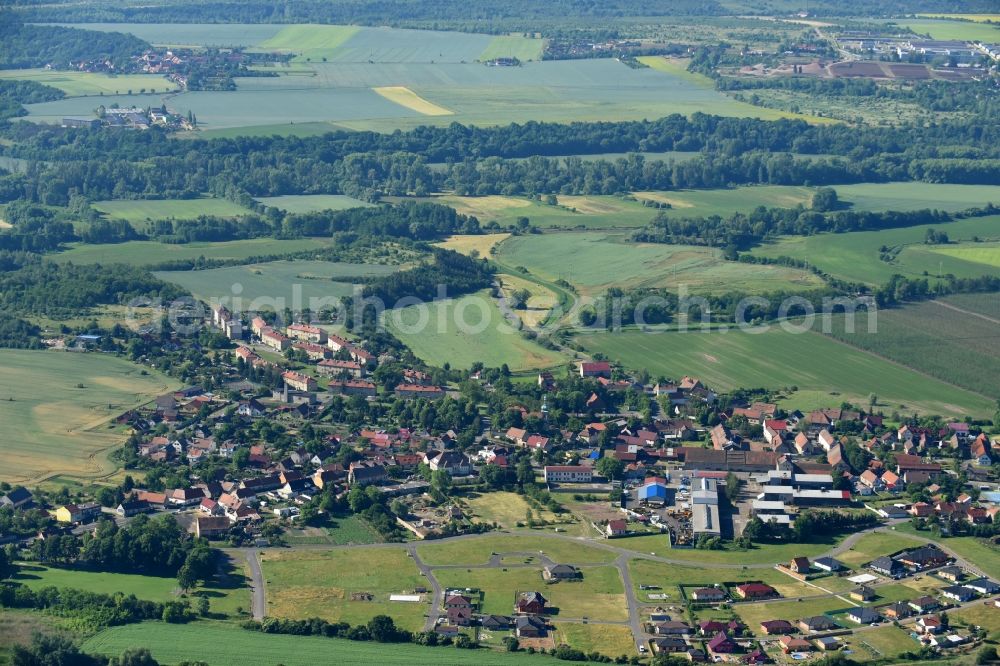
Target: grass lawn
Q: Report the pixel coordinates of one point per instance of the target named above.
(277, 284)
(984, 615)
(667, 576)
(778, 359)
(465, 330)
(855, 256)
(483, 244)
(599, 596)
(595, 261)
(353, 530)
(144, 253)
(478, 550)
(886, 642)
(139, 210)
(875, 545)
(977, 551)
(80, 84)
(310, 203)
(523, 48)
(607, 639)
(56, 408)
(317, 583)
(150, 588)
(219, 644)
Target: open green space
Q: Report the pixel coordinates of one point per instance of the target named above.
(479, 550)
(607, 639)
(56, 408)
(875, 545)
(139, 210)
(151, 588)
(939, 338)
(987, 254)
(882, 643)
(598, 596)
(465, 330)
(977, 551)
(309, 203)
(219, 644)
(571, 212)
(80, 84)
(352, 529)
(791, 610)
(759, 554)
(858, 256)
(276, 284)
(320, 583)
(144, 253)
(823, 371)
(594, 261)
(725, 202)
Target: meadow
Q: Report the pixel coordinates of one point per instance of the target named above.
(268, 285)
(481, 244)
(55, 407)
(595, 261)
(319, 583)
(311, 203)
(151, 588)
(725, 202)
(219, 644)
(505, 508)
(465, 330)
(598, 596)
(145, 253)
(956, 346)
(607, 639)
(823, 372)
(89, 84)
(141, 210)
(855, 256)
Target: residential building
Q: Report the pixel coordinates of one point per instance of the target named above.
(568, 474)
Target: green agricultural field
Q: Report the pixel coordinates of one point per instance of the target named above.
(56, 408)
(479, 550)
(856, 256)
(142, 210)
(144, 253)
(523, 48)
(465, 330)
(937, 338)
(219, 644)
(598, 596)
(80, 84)
(725, 202)
(276, 284)
(318, 42)
(987, 254)
(970, 31)
(984, 305)
(916, 196)
(320, 583)
(594, 261)
(310, 203)
(825, 372)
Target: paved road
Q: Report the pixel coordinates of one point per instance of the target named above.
(634, 616)
(435, 612)
(258, 587)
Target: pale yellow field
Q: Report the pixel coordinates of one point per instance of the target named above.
(481, 243)
(663, 198)
(405, 97)
(978, 18)
(592, 205)
(540, 302)
(484, 208)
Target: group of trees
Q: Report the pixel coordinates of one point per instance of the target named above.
(808, 527)
(13, 94)
(27, 45)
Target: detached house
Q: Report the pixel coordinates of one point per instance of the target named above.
(530, 603)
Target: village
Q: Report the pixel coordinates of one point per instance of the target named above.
(706, 474)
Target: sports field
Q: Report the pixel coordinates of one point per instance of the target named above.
(144, 253)
(79, 84)
(320, 583)
(310, 203)
(825, 372)
(465, 330)
(594, 261)
(221, 644)
(55, 407)
(276, 284)
(140, 210)
(856, 256)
